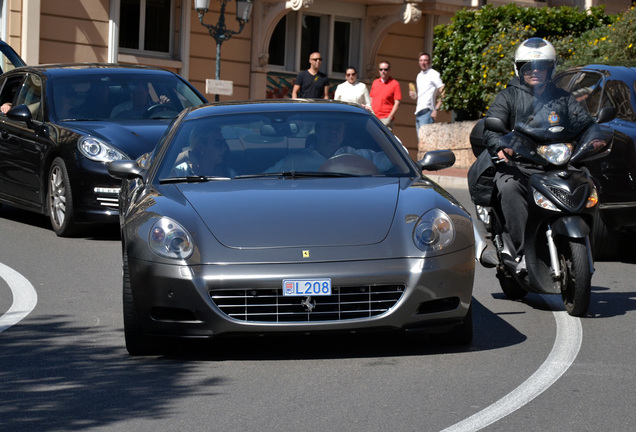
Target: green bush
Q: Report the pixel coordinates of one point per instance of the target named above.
(475, 51)
(611, 44)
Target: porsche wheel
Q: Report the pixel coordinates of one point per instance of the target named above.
(60, 200)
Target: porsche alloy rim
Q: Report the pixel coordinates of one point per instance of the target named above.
(57, 196)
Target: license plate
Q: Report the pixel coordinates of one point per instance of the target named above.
(306, 287)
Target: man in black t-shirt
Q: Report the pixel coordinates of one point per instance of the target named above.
(312, 83)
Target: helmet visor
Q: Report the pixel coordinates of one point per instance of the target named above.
(535, 67)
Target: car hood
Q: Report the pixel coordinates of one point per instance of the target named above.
(134, 138)
(296, 213)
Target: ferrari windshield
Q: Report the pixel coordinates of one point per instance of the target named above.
(286, 144)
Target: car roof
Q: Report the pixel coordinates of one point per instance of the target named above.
(274, 105)
(621, 72)
(60, 69)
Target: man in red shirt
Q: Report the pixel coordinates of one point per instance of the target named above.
(385, 95)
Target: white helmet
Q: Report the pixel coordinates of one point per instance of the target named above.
(535, 52)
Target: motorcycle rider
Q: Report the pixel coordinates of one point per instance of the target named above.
(530, 98)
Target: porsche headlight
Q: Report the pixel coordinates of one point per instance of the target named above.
(169, 239)
(434, 231)
(99, 151)
(557, 154)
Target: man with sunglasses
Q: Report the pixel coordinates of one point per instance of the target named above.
(311, 83)
(385, 95)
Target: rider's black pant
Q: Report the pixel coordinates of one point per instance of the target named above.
(512, 185)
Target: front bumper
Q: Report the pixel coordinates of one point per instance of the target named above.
(95, 193)
(206, 301)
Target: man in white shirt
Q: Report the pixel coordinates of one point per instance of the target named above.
(353, 90)
(429, 92)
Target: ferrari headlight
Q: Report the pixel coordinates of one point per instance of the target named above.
(556, 154)
(543, 202)
(99, 151)
(434, 231)
(169, 239)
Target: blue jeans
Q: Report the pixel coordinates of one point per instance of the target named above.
(422, 117)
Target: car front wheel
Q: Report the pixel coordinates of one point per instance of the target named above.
(60, 200)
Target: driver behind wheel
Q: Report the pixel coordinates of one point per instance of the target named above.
(138, 105)
(329, 137)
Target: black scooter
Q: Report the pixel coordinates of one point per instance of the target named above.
(561, 209)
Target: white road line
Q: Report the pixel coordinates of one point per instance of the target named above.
(569, 335)
(24, 297)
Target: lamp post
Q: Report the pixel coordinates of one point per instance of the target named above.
(219, 32)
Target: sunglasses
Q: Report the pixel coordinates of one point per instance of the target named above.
(351, 74)
(384, 69)
(316, 59)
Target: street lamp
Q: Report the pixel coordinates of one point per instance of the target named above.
(219, 32)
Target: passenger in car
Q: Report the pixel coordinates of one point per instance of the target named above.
(206, 155)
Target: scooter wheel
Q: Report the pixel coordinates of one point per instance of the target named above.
(510, 287)
(577, 278)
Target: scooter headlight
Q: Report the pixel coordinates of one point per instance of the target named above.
(592, 198)
(556, 154)
(543, 202)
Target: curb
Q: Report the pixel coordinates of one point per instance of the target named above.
(449, 181)
(449, 178)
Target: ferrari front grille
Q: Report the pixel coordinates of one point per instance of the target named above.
(269, 305)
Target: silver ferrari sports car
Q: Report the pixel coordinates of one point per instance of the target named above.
(287, 216)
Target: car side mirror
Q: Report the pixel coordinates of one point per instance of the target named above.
(606, 114)
(435, 160)
(125, 169)
(496, 125)
(21, 113)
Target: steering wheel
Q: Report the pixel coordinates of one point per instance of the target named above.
(349, 163)
(155, 109)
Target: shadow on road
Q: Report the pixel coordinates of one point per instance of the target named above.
(57, 376)
(34, 220)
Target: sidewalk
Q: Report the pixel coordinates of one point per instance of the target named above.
(449, 177)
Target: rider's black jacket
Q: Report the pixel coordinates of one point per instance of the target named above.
(553, 107)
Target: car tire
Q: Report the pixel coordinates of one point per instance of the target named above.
(460, 335)
(463, 333)
(136, 343)
(60, 200)
(605, 241)
(511, 289)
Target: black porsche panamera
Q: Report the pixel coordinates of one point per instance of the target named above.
(63, 124)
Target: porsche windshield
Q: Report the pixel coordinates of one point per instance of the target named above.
(117, 96)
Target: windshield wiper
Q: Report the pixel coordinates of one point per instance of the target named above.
(294, 174)
(191, 179)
